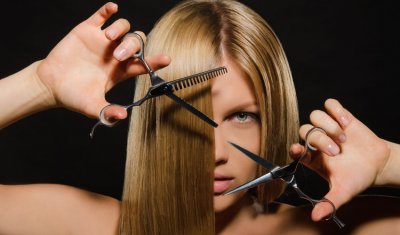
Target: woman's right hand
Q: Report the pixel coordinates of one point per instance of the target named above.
(89, 61)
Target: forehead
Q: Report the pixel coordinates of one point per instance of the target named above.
(234, 85)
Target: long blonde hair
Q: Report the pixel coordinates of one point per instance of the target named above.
(169, 167)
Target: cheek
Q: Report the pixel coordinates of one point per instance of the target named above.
(247, 137)
(247, 169)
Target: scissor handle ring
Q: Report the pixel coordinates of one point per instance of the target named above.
(333, 213)
(103, 119)
(332, 216)
(312, 130)
(140, 53)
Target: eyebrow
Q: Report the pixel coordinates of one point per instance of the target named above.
(244, 107)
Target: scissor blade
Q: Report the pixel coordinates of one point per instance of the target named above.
(197, 78)
(192, 109)
(255, 157)
(262, 179)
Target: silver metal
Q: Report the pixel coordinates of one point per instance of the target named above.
(287, 174)
(162, 87)
(263, 179)
(309, 132)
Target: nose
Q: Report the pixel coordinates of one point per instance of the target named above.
(220, 146)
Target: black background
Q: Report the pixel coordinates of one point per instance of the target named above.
(341, 49)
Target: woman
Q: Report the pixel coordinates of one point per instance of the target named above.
(173, 184)
(254, 105)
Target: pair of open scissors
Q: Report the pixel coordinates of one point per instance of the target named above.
(285, 173)
(161, 87)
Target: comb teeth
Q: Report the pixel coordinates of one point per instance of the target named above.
(197, 78)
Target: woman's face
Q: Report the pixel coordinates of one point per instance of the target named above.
(237, 113)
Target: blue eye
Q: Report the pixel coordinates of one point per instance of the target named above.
(244, 117)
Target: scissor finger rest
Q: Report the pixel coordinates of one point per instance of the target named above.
(314, 202)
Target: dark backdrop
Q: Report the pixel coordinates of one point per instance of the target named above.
(341, 49)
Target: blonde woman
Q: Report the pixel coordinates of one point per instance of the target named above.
(177, 166)
(255, 106)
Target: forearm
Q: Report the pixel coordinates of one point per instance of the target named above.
(390, 174)
(22, 94)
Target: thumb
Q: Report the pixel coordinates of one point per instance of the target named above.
(324, 209)
(111, 112)
(114, 112)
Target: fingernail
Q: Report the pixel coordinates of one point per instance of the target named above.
(120, 53)
(333, 149)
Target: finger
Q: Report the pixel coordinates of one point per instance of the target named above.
(129, 46)
(296, 150)
(321, 210)
(312, 161)
(115, 112)
(324, 209)
(336, 110)
(323, 120)
(103, 14)
(320, 140)
(142, 35)
(156, 62)
(117, 29)
(112, 113)
(94, 107)
(134, 68)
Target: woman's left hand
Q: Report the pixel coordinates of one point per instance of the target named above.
(351, 157)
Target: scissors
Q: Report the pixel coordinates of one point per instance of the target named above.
(161, 87)
(285, 173)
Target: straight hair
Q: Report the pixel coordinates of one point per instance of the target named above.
(170, 157)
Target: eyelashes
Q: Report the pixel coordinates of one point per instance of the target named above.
(244, 118)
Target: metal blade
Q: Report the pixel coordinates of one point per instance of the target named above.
(197, 78)
(192, 109)
(262, 179)
(255, 157)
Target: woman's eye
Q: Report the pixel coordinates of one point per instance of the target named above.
(244, 117)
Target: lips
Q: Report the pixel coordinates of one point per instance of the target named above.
(221, 183)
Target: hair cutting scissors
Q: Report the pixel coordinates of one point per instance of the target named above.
(285, 173)
(161, 87)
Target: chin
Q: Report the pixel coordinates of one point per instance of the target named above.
(222, 203)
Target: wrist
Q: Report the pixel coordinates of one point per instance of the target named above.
(46, 98)
(390, 174)
(22, 94)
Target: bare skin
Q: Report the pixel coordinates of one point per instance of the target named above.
(59, 209)
(75, 75)
(377, 160)
(78, 72)
(56, 209)
(238, 123)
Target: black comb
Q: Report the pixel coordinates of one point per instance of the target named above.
(197, 78)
